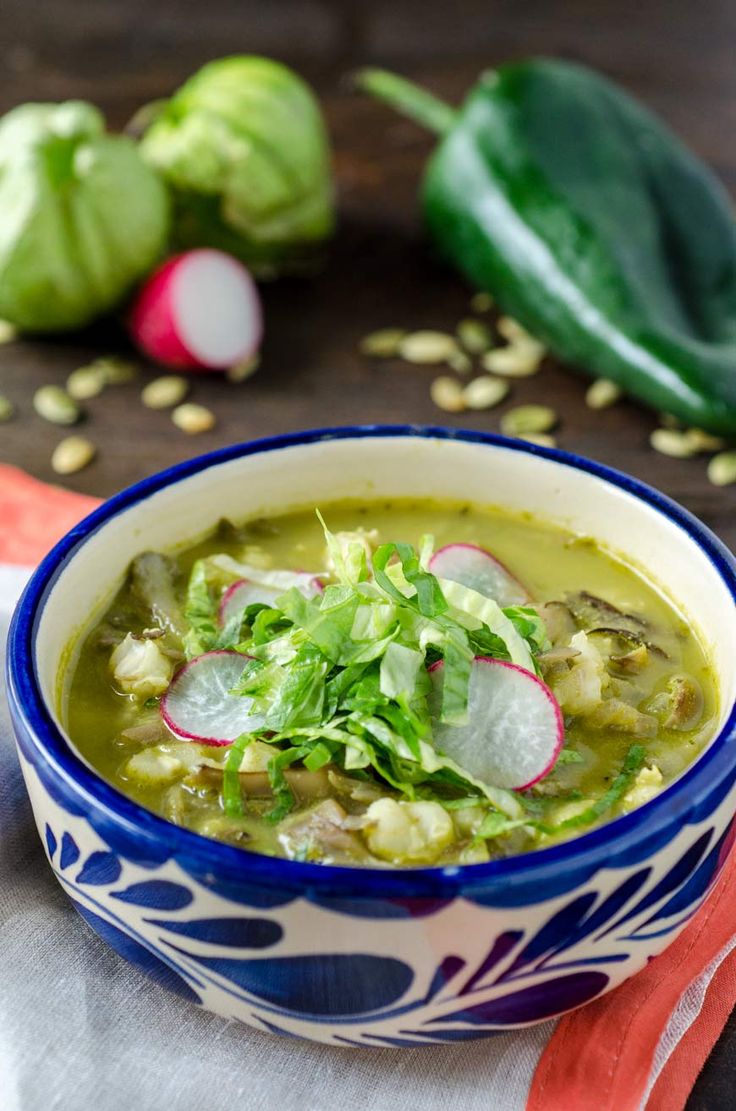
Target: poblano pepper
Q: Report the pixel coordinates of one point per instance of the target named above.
(592, 224)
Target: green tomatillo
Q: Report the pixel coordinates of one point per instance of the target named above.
(83, 216)
(243, 146)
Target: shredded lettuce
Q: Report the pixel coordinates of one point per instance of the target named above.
(472, 610)
(633, 762)
(200, 613)
(529, 625)
(400, 668)
(342, 677)
(282, 792)
(349, 560)
(232, 800)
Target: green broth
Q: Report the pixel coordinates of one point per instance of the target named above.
(551, 563)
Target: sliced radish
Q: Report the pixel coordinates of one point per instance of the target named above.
(478, 569)
(243, 593)
(198, 705)
(199, 311)
(514, 732)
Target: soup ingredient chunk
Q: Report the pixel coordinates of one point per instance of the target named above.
(140, 667)
(407, 832)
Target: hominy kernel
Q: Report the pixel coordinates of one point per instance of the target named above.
(6, 408)
(193, 419)
(8, 331)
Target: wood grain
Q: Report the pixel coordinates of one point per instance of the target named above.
(380, 271)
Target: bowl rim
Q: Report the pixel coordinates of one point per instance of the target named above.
(592, 850)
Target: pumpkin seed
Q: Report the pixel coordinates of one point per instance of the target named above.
(246, 369)
(86, 382)
(165, 392)
(602, 393)
(117, 371)
(525, 419)
(474, 335)
(8, 331)
(518, 360)
(512, 331)
(72, 454)
(481, 302)
(670, 441)
(447, 394)
(383, 344)
(427, 347)
(6, 408)
(193, 419)
(55, 405)
(722, 468)
(703, 441)
(484, 393)
(541, 439)
(460, 362)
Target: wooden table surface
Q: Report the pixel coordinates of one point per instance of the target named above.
(677, 56)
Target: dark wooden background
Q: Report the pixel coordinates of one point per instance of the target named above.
(679, 56)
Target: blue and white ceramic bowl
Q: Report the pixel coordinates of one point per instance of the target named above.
(348, 956)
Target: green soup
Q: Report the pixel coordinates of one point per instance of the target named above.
(348, 716)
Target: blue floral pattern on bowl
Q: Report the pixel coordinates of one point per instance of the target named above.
(236, 961)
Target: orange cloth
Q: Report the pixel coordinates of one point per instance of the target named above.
(33, 516)
(600, 1057)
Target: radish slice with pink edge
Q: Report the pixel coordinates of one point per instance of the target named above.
(476, 568)
(514, 731)
(199, 311)
(243, 593)
(198, 705)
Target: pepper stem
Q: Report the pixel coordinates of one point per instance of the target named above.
(408, 98)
